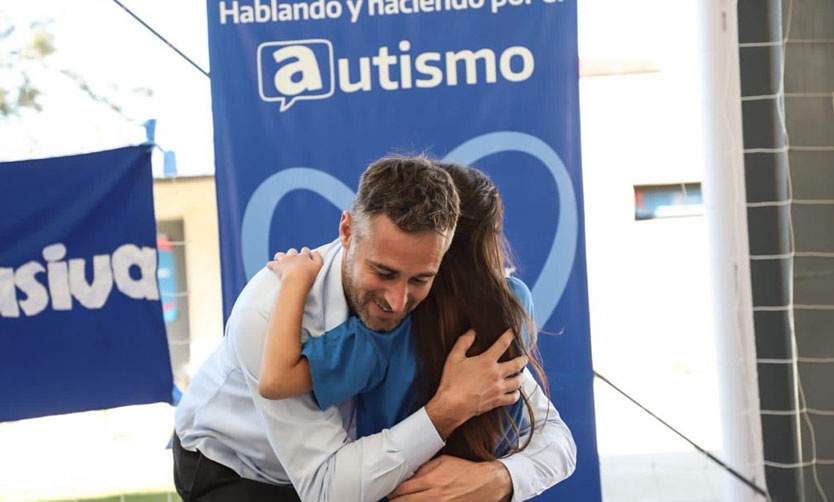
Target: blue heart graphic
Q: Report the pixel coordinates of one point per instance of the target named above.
(555, 273)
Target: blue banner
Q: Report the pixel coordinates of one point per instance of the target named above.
(306, 93)
(80, 318)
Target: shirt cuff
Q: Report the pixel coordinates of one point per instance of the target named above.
(522, 489)
(417, 439)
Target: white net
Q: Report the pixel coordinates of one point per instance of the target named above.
(805, 261)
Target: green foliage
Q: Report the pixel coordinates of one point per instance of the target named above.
(25, 62)
(16, 58)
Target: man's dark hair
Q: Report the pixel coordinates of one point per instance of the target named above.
(412, 192)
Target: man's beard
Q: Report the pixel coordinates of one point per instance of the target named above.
(360, 304)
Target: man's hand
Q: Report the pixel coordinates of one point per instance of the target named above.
(470, 386)
(453, 479)
(297, 266)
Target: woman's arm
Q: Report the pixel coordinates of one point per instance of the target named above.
(284, 372)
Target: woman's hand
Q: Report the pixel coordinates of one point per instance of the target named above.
(293, 265)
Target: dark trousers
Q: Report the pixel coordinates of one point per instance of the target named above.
(200, 479)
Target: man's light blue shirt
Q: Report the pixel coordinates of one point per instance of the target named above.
(290, 441)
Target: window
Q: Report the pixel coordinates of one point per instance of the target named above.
(667, 201)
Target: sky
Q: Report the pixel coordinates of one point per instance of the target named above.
(115, 54)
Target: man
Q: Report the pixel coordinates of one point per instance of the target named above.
(232, 444)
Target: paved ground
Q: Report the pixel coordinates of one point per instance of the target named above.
(661, 477)
(122, 451)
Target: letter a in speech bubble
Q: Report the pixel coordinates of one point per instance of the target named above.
(293, 70)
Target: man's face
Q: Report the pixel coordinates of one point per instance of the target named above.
(386, 272)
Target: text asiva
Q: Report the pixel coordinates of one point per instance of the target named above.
(67, 279)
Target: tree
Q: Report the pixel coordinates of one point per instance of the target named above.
(24, 54)
(16, 89)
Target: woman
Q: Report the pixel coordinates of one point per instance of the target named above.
(471, 292)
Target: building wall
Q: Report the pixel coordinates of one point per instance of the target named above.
(192, 200)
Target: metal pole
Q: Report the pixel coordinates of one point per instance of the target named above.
(724, 198)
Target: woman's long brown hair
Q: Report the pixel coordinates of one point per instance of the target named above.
(471, 291)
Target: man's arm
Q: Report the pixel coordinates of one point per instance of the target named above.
(548, 459)
(551, 455)
(314, 447)
(448, 478)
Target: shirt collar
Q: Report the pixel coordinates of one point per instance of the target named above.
(326, 305)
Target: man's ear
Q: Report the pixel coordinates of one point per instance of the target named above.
(345, 229)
